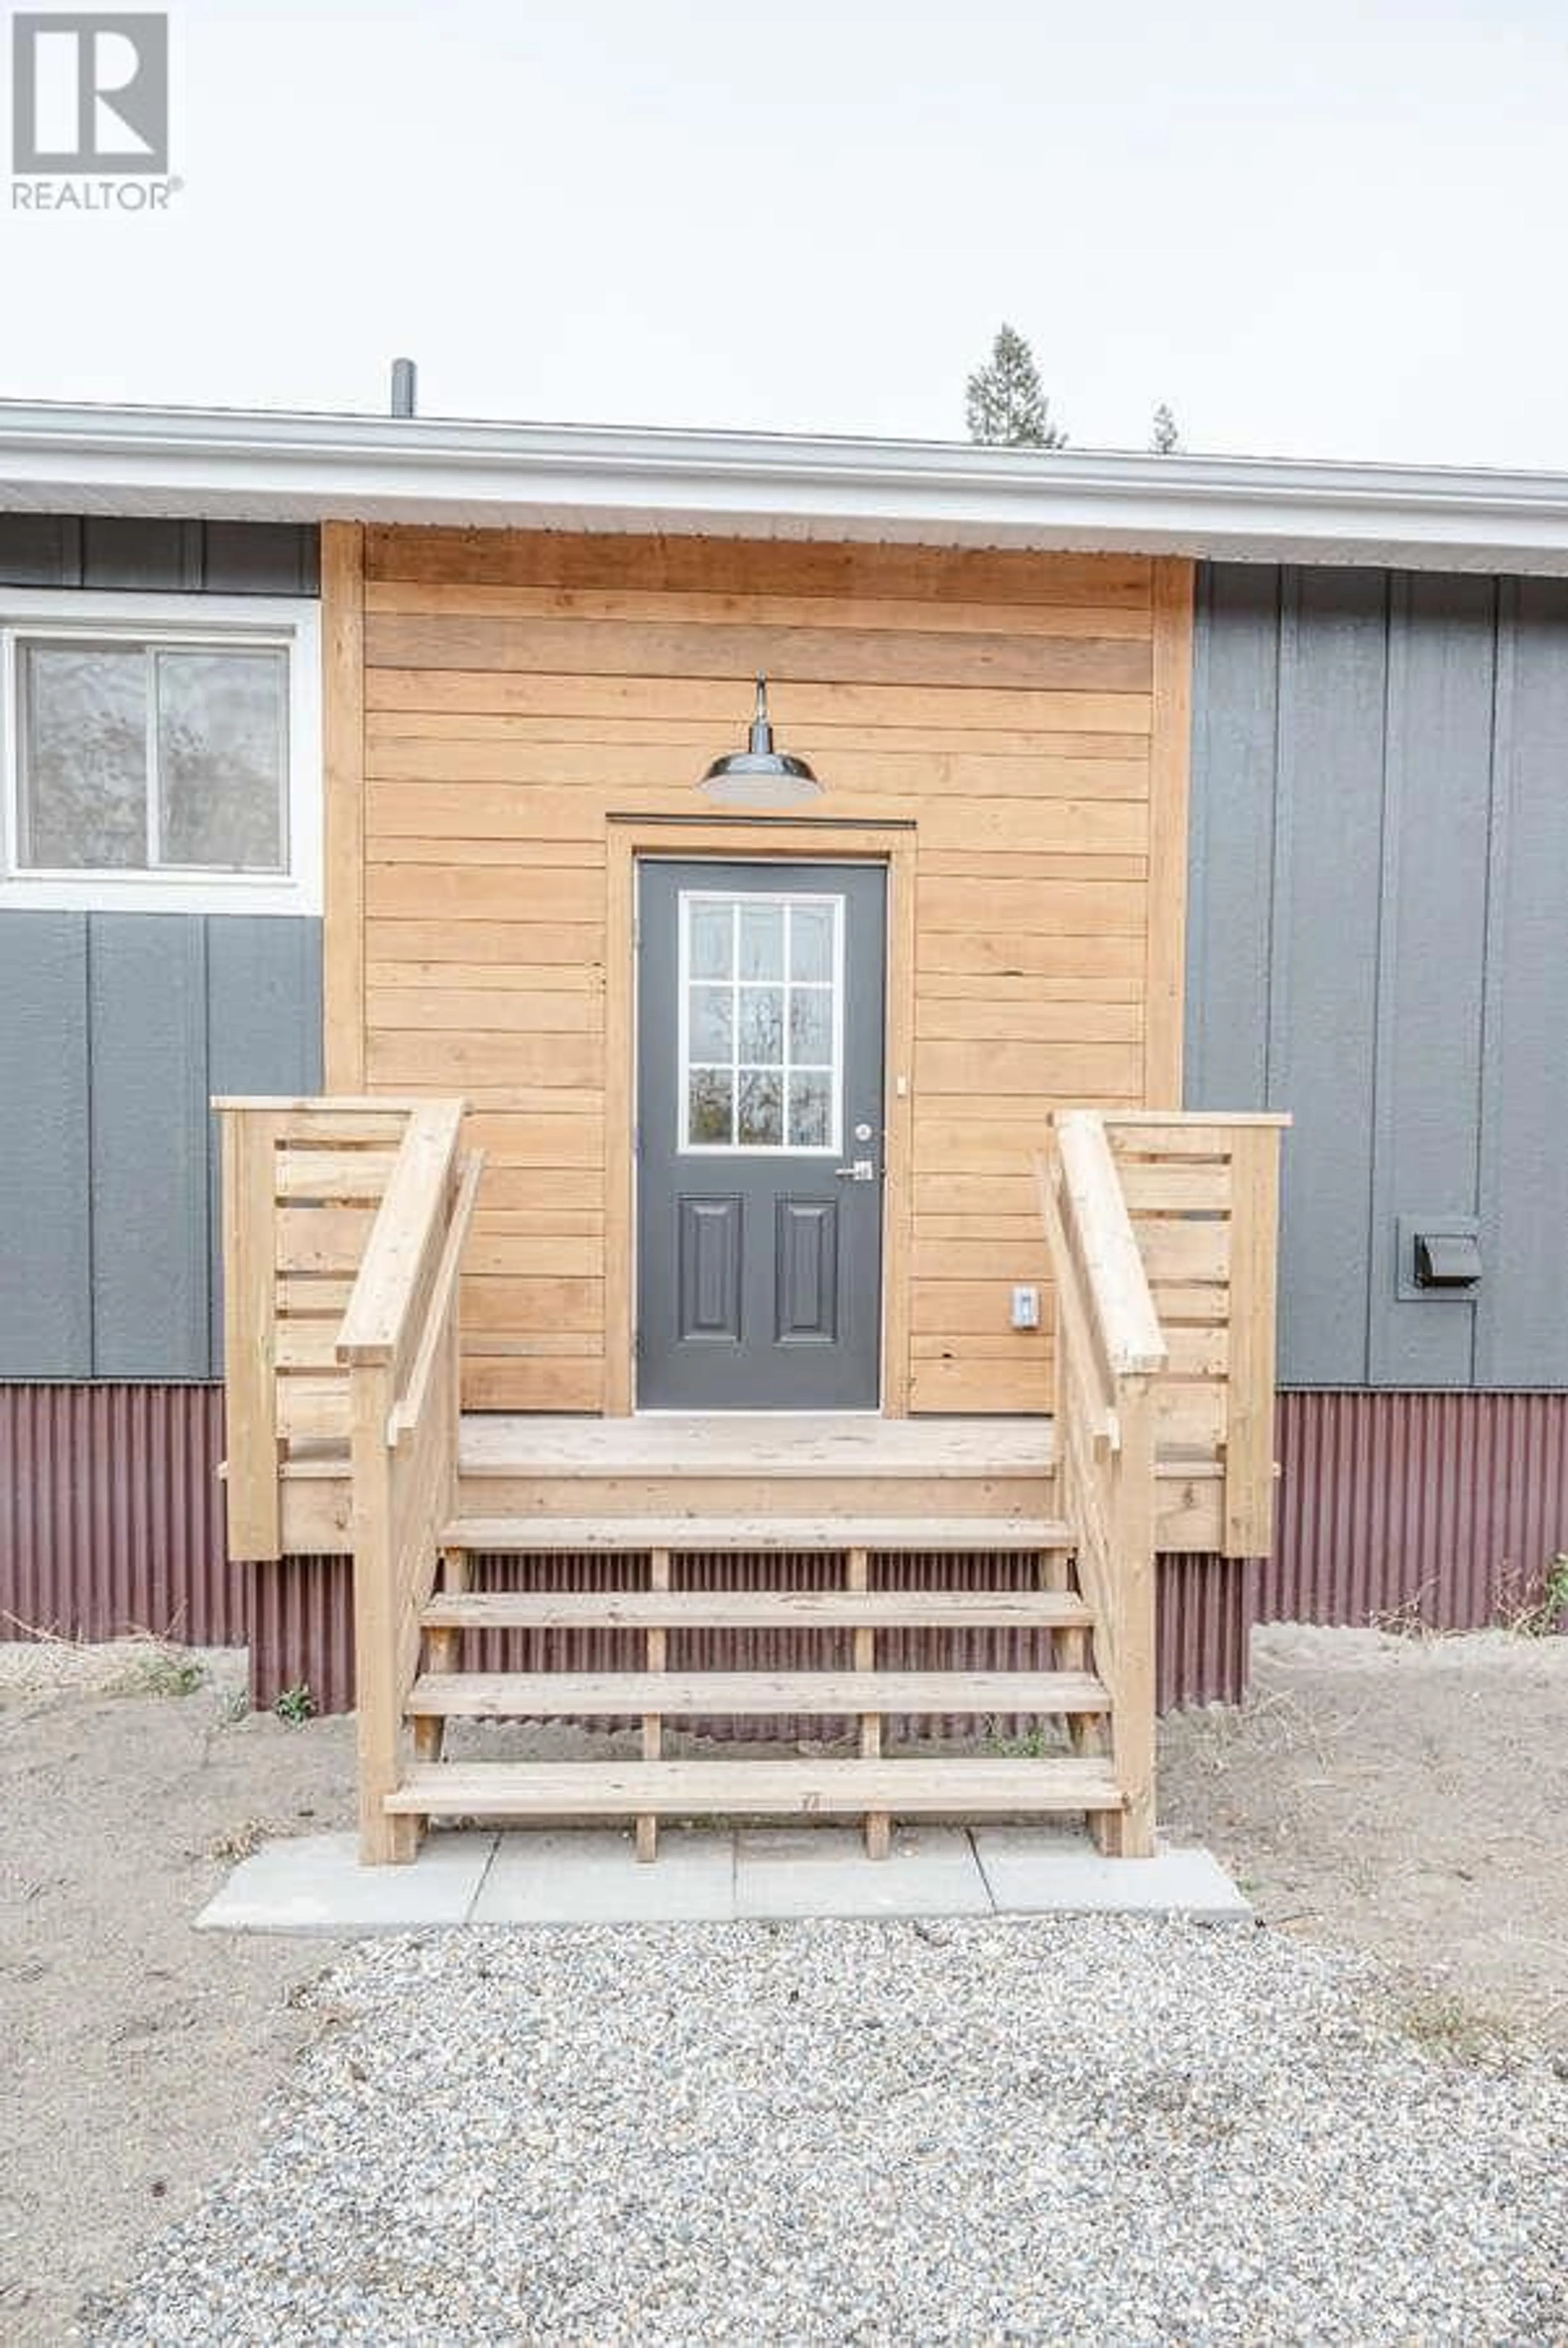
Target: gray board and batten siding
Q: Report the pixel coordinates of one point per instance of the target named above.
(116, 551)
(116, 1027)
(1378, 943)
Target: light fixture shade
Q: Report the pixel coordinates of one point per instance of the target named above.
(759, 776)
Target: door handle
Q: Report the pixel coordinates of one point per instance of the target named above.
(863, 1171)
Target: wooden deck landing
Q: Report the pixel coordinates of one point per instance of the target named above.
(747, 1464)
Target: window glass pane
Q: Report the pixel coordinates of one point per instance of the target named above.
(712, 1031)
(761, 941)
(83, 757)
(761, 1121)
(810, 942)
(760, 1046)
(712, 934)
(223, 734)
(709, 1106)
(810, 1124)
(811, 1024)
(762, 1025)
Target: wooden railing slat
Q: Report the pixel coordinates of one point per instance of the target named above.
(330, 1171)
(312, 1111)
(1203, 1192)
(1180, 1122)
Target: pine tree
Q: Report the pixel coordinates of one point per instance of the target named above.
(1005, 403)
(1164, 439)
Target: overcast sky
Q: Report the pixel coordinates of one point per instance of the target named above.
(1332, 230)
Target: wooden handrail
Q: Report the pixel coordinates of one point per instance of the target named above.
(408, 1410)
(400, 1339)
(1109, 1348)
(1079, 1337)
(385, 1291)
(1117, 1284)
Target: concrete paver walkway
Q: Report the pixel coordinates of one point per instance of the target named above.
(314, 1884)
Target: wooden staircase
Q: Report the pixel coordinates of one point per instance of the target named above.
(846, 1577)
(847, 1687)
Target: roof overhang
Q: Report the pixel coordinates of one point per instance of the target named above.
(223, 464)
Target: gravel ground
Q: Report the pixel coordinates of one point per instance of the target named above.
(1107, 2132)
(1402, 1797)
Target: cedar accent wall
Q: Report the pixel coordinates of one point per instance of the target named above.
(1028, 713)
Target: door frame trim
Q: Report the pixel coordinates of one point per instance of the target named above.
(754, 840)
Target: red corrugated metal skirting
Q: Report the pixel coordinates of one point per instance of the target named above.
(1446, 1504)
(111, 1514)
(302, 1630)
(1205, 1618)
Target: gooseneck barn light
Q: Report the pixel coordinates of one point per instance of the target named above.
(759, 776)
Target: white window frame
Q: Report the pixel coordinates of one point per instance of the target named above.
(212, 622)
(838, 903)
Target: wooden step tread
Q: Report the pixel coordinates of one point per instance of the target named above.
(709, 1536)
(756, 1443)
(832, 1788)
(539, 1695)
(758, 1610)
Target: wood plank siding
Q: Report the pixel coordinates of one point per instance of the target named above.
(1013, 725)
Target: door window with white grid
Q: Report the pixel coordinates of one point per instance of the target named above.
(762, 1022)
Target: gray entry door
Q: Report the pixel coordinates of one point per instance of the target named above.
(760, 1136)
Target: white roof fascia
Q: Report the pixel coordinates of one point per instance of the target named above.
(226, 464)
